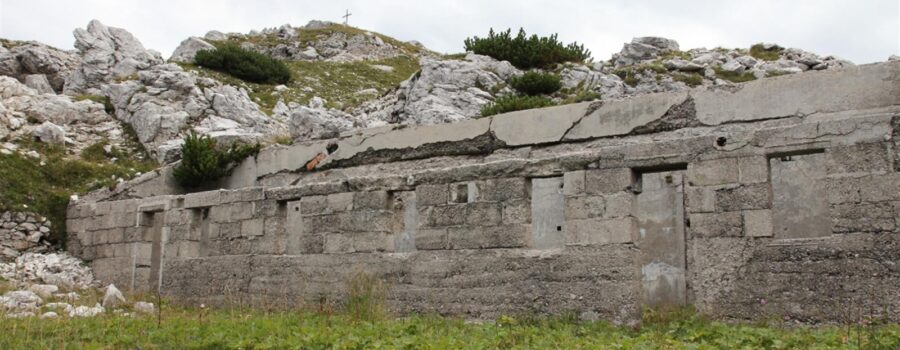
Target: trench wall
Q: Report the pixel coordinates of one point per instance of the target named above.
(777, 198)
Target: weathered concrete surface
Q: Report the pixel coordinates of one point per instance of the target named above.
(860, 87)
(537, 126)
(468, 218)
(624, 116)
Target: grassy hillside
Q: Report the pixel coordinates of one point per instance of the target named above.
(43, 185)
(256, 329)
(342, 84)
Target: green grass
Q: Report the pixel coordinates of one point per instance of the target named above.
(308, 36)
(45, 189)
(336, 82)
(758, 52)
(691, 79)
(257, 329)
(511, 103)
(9, 43)
(734, 77)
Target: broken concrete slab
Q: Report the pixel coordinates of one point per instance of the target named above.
(860, 87)
(537, 126)
(620, 117)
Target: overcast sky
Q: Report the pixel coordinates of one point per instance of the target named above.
(862, 31)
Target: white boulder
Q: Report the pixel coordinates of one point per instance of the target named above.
(188, 48)
(113, 297)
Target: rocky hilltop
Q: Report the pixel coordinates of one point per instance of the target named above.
(346, 78)
(113, 109)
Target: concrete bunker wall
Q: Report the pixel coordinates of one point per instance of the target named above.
(795, 214)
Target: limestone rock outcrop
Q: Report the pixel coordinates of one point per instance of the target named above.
(188, 48)
(30, 60)
(445, 90)
(107, 54)
(167, 101)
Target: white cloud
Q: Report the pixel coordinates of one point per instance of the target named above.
(860, 31)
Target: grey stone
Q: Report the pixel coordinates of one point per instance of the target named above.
(188, 48)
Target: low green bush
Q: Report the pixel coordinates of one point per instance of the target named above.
(691, 79)
(526, 52)
(244, 64)
(512, 103)
(759, 51)
(536, 83)
(202, 162)
(733, 76)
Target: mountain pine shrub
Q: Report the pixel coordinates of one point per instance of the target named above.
(244, 64)
(510, 103)
(526, 52)
(202, 162)
(536, 83)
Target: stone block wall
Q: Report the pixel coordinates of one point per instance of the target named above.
(22, 232)
(735, 207)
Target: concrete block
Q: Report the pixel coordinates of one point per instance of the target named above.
(188, 249)
(313, 205)
(321, 223)
(536, 126)
(431, 195)
(232, 211)
(619, 205)
(600, 231)
(727, 224)
(700, 199)
(714, 172)
(312, 244)
(132, 234)
(269, 245)
(622, 116)
(268, 208)
(502, 236)
(608, 181)
(366, 221)
(340, 202)
(503, 189)
(230, 229)
(234, 247)
(880, 188)
(483, 214)
(252, 227)
(858, 87)
(444, 215)
(758, 223)
(573, 183)
(584, 207)
(859, 158)
(757, 196)
(863, 217)
(432, 239)
(369, 242)
(175, 217)
(336, 243)
(242, 195)
(274, 226)
(753, 169)
(371, 200)
(516, 212)
(179, 232)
